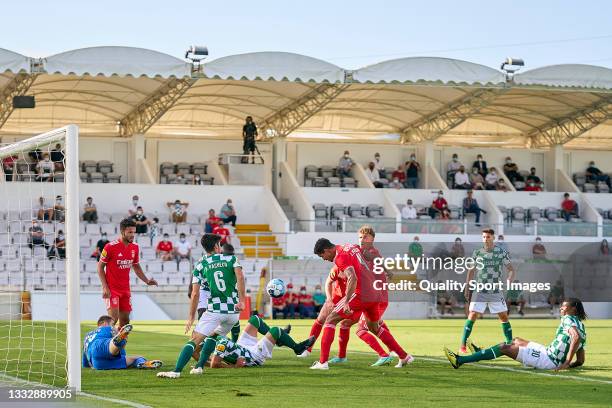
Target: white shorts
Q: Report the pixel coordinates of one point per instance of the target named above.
(494, 307)
(203, 299)
(216, 323)
(260, 350)
(534, 355)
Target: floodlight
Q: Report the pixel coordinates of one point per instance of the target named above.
(196, 53)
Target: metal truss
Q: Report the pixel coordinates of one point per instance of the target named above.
(141, 118)
(291, 116)
(563, 130)
(441, 121)
(19, 85)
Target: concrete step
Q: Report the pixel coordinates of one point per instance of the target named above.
(254, 240)
(262, 252)
(250, 228)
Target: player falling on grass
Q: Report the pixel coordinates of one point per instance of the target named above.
(369, 252)
(225, 280)
(559, 355)
(116, 260)
(248, 351)
(104, 348)
(494, 259)
(354, 277)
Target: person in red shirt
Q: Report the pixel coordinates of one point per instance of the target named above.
(353, 270)
(165, 250)
(211, 221)
(117, 259)
(279, 305)
(568, 207)
(438, 206)
(8, 165)
(399, 174)
(532, 186)
(306, 303)
(223, 232)
(293, 302)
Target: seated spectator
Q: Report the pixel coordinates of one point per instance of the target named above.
(154, 229)
(569, 207)
(43, 212)
(279, 306)
(501, 185)
(538, 250)
(532, 186)
(457, 251)
(45, 169)
(476, 179)
(480, 165)
(409, 212)
(415, 249)
(36, 236)
(164, 249)
(556, 296)
(470, 205)
(373, 175)
(501, 243)
(400, 175)
(197, 180)
(293, 303)
(223, 232)
(532, 176)
(445, 212)
(413, 168)
(462, 180)
(306, 304)
(59, 212)
(8, 166)
(100, 246)
(182, 248)
(511, 170)
(396, 184)
(604, 248)
(58, 249)
(594, 175)
(228, 213)
(211, 221)
(438, 205)
(318, 298)
(141, 221)
(180, 179)
(345, 165)
(515, 298)
(446, 302)
(378, 164)
(178, 211)
(57, 157)
(453, 167)
(134, 207)
(491, 179)
(90, 213)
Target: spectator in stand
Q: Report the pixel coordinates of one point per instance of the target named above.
(100, 246)
(446, 302)
(197, 180)
(8, 165)
(57, 157)
(532, 176)
(319, 298)
(132, 210)
(462, 180)
(279, 306)
(372, 174)
(59, 211)
(90, 213)
(396, 184)
(178, 212)
(45, 169)
(293, 302)
(594, 175)
(154, 230)
(36, 156)
(223, 232)
(306, 305)
(249, 135)
(408, 211)
(228, 213)
(491, 179)
(164, 249)
(477, 180)
(604, 249)
(470, 205)
(43, 212)
(438, 205)
(400, 174)
(379, 165)
(457, 250)
(532, 186)
(556, 296)
(501, 185)
(569, 207)
(182, 248)
(36, 236)
(141, 221)
(412, 172)
(58, 249)
(180, 179)
(511, 170)
(515, 298)
(538, 250)
(453, 167)
(480, 165)
(501, 243)
(345, 165)
(211, 221)
(415, 249)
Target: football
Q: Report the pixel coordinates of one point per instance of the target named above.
(276, 288)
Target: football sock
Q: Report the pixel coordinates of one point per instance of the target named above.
(258, 322)
(184, 357)
(387, 338)
(371, 341)
(507, 329)
(207, 350)
(235, 331)
(343, 339)
(315, 331)
(467, 330)
(282, 338)
(484, 354)
(329, 332)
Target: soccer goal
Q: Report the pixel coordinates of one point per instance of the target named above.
(39, 260)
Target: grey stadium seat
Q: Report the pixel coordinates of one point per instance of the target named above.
(349, 182)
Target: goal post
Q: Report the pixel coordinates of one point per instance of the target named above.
(27, 183)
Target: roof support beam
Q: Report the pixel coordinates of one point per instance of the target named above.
(441, 121)
(562, 130)
(19, 85)
(141, 118)
(291, 116)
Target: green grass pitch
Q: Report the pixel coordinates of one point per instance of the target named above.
(286, 380)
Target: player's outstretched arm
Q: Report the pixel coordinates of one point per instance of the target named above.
(140, 273)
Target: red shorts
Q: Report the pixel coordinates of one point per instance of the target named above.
(370, 310)
(382, 307)
(119, 300)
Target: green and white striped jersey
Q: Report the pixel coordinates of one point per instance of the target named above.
(494, 262)
(559, 347)
(217, 273)
(230, 352)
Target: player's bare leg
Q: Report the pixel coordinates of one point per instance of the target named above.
(114, 313)
(317, 326)
(124, 318)
(384, 334)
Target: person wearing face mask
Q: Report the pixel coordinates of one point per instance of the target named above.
(90, 213)
(379, 165)
(59, 212)
(211, 221)
(415, 249)
(477, 180)
(165, 250)
(58, 249)
(462, 180)
(438, 205)
(100, 246)
(318, 298)
(36, 236)
(228, 213)
(413, 168)
(538, 250)
(134, 207)
(501, 185)
(491, 179)
(306, 304)
(345, 165)
(141, 221)
(480, 165)
(223, 232)
(452, 168)
(182, 248)
(43, 211)
(400, 174)
(178, 211)
(373, 175)
(395, 183)
(408, 211)
(197, 180)
(470, 205)
(45, 169)
(511, 170)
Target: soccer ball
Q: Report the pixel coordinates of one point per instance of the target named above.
(276, 288)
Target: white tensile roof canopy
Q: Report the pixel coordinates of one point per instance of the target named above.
(110, 91)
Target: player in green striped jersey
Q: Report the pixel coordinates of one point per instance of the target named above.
(569, 342)
(225, 280)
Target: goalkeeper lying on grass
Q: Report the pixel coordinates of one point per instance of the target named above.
(104, 348)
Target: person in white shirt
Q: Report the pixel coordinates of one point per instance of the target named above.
(454, 165)
(409, 212)
(462, 180)
(133, 209)
(90, 212)
(396, 184)
(379, 165)
(182, 248)
(491, 179)
(45, 169)
(373, 175)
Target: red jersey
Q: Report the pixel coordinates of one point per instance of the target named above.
(279, 301)
(349, 255)
(119, 259)
(223, 232)
(369, 254)
(306, 299)
(164, 246)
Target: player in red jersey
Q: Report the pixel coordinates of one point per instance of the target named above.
(354, 272)
(117, 259)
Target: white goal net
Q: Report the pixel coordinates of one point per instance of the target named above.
(39, 258)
